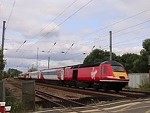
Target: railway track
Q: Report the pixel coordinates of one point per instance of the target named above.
(51, 100)
(135, 94)
(91, 96)
(89, 92)
(125, 94)
(58, 101)
(106, 96)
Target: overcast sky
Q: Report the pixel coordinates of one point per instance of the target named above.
(65, 29)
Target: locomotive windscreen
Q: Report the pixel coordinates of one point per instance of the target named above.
(118, 68)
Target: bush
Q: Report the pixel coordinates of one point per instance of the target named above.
(16, 105)
(145, 85)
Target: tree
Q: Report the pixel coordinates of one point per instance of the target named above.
(97, 55)
(2, 64)
(145, 53)
(128, 60)
(13, 72)
(32, 69)
(137, 63)
(146, 45)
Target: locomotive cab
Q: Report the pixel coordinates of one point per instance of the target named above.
(119, 72)
(114, 76)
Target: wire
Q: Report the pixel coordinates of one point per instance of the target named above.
(69, 48)
(10, 14)
(117, 22)
(120, 22)
(117, 32)
(58, 16)
(66, 19)
(121, 30)
(21, 46)
(52, 47)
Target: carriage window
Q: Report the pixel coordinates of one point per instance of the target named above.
(50, 73)
(118, 69)
(34, 73)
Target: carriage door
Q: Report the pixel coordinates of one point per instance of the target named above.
(75, 74)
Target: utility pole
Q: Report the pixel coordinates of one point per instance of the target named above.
(110, 32)
(3, 36)
(2, 51)
(48, 62)
(37, 58)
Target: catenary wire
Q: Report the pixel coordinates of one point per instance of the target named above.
(10, 14)
(67, 18)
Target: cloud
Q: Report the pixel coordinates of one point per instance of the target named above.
(34, 22)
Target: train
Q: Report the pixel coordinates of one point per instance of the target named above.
(108, 75)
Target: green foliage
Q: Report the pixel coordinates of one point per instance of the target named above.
(145, 86)
(2, 64)
(129, 60)
(132, 62)
(13, 72)
(16, 105)
(96, 56)
(146, 45)
(145, 53)
(32, 69)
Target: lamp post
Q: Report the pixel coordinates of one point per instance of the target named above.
(37, 58)
(48, 61)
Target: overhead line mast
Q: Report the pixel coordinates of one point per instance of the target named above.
(3, 36)
(110, 32)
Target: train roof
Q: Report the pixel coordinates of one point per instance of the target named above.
(89, 65)
(84, 65)
(112, 62)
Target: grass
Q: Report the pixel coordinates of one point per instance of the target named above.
(15, 103)
(145, 86)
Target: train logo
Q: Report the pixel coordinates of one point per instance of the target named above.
(93, 73)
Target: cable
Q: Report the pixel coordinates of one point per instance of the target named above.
(125, 29)
(122, 29)
(58, 16)
(117, 22)
(119, 31)
(52, 47)
(69, 48)
(69, 18)
(10, 14)
(21, 46)
(66, 19)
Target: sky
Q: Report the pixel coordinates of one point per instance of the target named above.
(65, 29)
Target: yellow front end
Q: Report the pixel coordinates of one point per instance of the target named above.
(121, 75)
